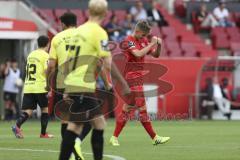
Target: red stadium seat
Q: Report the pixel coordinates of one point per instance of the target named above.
(164, 53)
(188, 49)
(171, 39)
(236, 53)
(155, 31)
(221, 42)
(232, 31)
(60, 12)
(217, 31)
(173, 49)
(220, 38)
(85, 13)
(47, 14)
(235, 47)
(80, 16)
(166, 31)
(235, 38)
(169, 33)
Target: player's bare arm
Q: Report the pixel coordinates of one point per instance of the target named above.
(52, 63)
(6, 71)
(144, 51)
(158, 50)
(103, 74)
(111, 67)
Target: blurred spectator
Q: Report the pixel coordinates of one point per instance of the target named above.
(223, 103)
(2, 68)
(138, 12)
(11, 86)
(154, 15)
(206, 19)
(207, 99)
(113, 29)
(221, 13)
(128, 24)
(226, 89)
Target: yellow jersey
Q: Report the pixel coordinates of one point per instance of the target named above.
(58, 52)
(35, 79)
(88, 45)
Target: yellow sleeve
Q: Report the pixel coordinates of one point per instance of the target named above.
(46, 62)
(53, 51)
(102, 44)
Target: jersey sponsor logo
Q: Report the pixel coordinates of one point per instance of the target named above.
(104, 45)
(131, 44)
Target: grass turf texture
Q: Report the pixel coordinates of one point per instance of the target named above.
(190, 140)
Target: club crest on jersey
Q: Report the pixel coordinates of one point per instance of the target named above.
(104, 45)
(131, 44)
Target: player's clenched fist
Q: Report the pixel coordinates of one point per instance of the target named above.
(159, 41)
(154, 40)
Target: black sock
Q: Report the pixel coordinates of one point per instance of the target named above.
(63, 129)
(8, 114)
(23, 117)
(97, 144)
(86, 129)
(67, 145)
(44, 123)
(75, 154)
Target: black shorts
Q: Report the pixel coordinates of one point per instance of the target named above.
(30, 100)
(58, 96)
(79, 108)
(8, 96)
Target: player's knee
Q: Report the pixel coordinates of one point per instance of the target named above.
(99, 123)
(143, 116)
(45, 110)
(76, 128)
(28, 112)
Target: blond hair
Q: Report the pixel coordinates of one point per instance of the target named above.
(97, 7)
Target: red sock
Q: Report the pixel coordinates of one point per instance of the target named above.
(147, 124)
(120, 123)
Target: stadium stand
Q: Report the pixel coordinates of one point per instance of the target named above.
(185, 35)
(176, 32)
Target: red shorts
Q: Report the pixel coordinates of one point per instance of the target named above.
(139, 96)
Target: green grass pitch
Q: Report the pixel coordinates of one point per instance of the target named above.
(190, 140)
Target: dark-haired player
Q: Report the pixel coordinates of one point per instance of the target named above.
(138, 47)
(88, 44)
(35, 92)
(57, 58)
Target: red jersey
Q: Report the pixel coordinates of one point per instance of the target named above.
(134, 44)
(133, 72)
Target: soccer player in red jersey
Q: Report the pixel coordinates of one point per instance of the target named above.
(138, 47)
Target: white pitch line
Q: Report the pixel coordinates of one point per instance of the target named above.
(113, 157)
